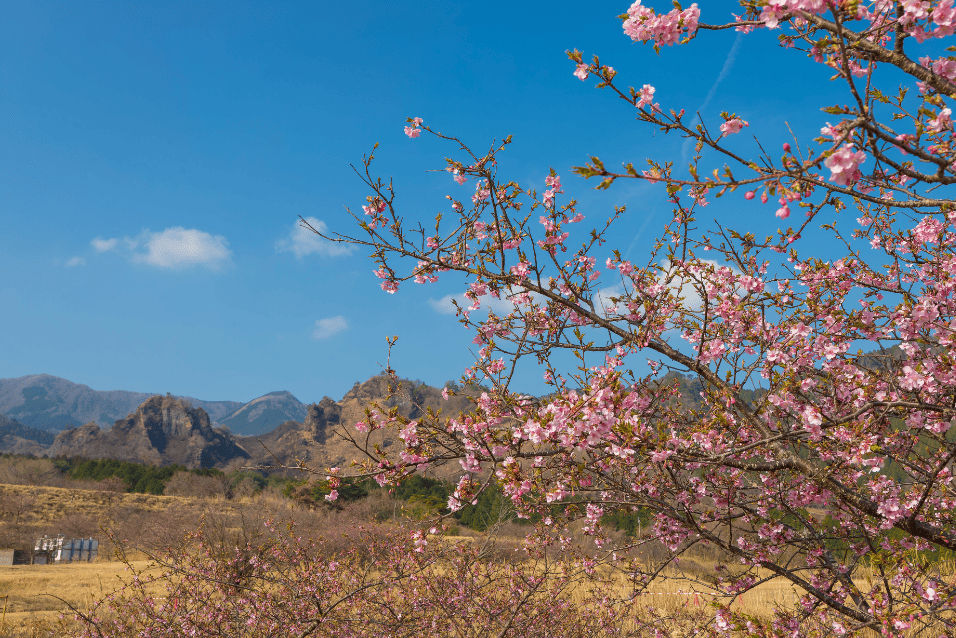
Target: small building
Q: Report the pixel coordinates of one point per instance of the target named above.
(9, 557)
(64, 550)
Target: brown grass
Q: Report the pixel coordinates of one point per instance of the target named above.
(36, 596)
(53, 503)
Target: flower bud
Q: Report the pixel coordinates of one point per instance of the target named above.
(786, 147)
(750, 194)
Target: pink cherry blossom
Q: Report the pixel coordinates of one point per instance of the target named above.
(928, 230)
(844, 163)
(644, 25)
(646, 96)
(657, 416)
(942, 122)
(733, 126)
(582, 71)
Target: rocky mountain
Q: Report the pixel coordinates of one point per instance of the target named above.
(318, 441)
(51, 403)
(161, 431)
(164, 430)
(264, 413)
(294, 441)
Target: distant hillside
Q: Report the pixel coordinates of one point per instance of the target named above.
(17, 438)
(165, 430)
(265, 413)
(51, 403)
(46, 402)
(12, 427)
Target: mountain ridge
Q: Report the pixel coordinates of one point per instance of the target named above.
(46, 402)
(166, 430)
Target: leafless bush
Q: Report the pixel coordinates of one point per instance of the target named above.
(193, 485)
(26, 471)
(244, 488)
(131, 527)
(73, 525)
(19, 515)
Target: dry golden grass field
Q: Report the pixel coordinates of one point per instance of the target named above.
(35, 596)
(36, 599)
(52, 503)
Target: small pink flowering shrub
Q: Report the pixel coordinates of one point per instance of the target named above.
(382, 585)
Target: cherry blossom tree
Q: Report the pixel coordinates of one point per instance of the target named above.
(806, 436)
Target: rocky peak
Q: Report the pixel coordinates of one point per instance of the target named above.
(168, 417)
(163, 430)
(327, 413)
(374, 389)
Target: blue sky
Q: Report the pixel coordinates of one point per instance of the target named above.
(155, 157)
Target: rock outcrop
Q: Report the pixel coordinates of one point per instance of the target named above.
(162, 431)
(322, 439)
(294, 442)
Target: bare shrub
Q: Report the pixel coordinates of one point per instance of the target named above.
(19, 515)
(27, 471)
(150, 531)
(384, 585)
(245, 487)
(193, 485)
(74, 525)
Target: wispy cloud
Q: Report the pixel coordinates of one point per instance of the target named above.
(302, 241)
(724, 72)
(174, 248)
(102, 245)
(325, 328)
(446, 305)
(76, 261)
(647, 220)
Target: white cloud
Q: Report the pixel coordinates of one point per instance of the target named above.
(602, 299)
(329, 326)
(445, 305)
(302, 241)
(688, 288)
(76, 261)
(180, 247)
(102, 245)
(500, 306)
